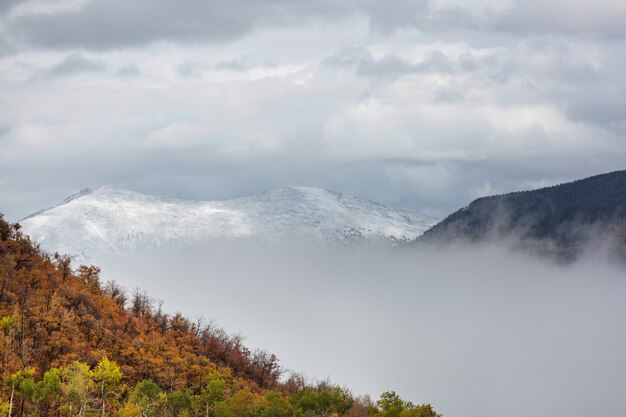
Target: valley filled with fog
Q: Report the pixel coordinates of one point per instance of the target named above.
(474, 331)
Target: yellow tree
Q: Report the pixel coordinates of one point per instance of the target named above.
(107, 376)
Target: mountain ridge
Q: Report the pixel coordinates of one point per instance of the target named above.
(117, 220)
(559, 219)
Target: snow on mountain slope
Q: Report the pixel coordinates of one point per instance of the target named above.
(107, 220)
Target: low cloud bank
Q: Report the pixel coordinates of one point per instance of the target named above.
(474, 331)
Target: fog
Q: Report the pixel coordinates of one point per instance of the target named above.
(476, 332)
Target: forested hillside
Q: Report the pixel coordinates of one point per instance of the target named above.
(72, 345)
(558, 220)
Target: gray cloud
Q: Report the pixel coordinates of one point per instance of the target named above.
(602, 18)
(562, 80)
(583, 105)
(190, 69)
(387, 16)
(100, 24)
(130, 70)
(7, 5)
(239, 64)
(109, 24)
(194, 69)
(75, 64)
(389, 66)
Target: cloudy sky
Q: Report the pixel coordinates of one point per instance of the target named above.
(417, 104)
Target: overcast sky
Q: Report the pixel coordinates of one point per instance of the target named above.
(416, 104)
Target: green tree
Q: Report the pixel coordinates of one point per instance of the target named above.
(323, 401)
(180, 402)
(49, 388)
(107, 376)
(76, 385)
(146, 395)
(22, 385)
(245, 403)
(391, 405)
(223, 410)
(279, 406)
(424, 410)
(212, 392)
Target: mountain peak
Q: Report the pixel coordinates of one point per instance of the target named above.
(108, 219)
(79, 194)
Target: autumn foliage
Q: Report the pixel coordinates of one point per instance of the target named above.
(72, 345)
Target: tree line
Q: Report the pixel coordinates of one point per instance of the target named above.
(77, 390)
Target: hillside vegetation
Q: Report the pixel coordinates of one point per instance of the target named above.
(558, 220)
(72, 345)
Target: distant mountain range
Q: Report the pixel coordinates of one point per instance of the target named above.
(557, 220)
(107, 220)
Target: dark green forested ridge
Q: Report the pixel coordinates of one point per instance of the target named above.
(71, 345)
(562, 217)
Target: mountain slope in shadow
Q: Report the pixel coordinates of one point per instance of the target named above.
(559, 220)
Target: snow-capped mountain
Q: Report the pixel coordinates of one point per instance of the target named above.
(108, 220)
